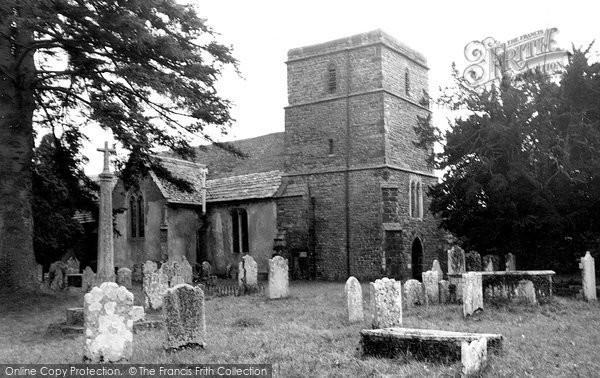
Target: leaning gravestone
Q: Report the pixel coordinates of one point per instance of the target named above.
(88, 279)
(473, 261)
(472, 295)
(511, 262)
(124, 277)
(386, 303)
(354, 300)
(414, 294)
(248, 272)
(108, 323)
(588, 276)
(430, 284)
(444, 292)
(473, 357)
(456, 260)
(437, 268)
(278, 278)
(183, 315)
(155, 287)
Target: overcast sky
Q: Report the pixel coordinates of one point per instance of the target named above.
(261, 32)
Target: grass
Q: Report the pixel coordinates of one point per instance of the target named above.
(308, 334)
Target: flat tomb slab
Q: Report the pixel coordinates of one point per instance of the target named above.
(422, 344)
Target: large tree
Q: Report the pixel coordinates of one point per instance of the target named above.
(146, 69)
(522, 164)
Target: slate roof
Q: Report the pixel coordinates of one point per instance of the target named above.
(190, 171)
(251, 186)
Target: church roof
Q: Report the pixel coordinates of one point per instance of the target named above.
(187, 170)
(250, 186)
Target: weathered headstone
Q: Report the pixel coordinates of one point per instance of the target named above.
(456, 260)
(75, 316)
(108, 323)
(88, 279)
(473, 261)
(444, 292)
(155, 287)
(149, 267)
(124, 277)
(414, 294)
(526, 292)
(511, 262)
(57, 274)
(206, 270)
(386, 303)
(248, 272)
(489, 266)
(354, 300)
(491, 262)
(72, 265)
(176, 280)
(137, 273)
(588, 276)
(106, 266)
(473, 357)
(278, 278)
(186, 271)
(138, 313)
(437, 268)
(183, 314)
(472, 295)
(430, 284)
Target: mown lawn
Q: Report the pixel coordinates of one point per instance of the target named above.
(308, 335)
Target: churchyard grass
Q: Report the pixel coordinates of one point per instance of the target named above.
(308, 334)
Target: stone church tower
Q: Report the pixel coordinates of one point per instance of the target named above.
(354, 195)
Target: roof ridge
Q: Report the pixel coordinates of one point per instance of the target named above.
(182, 161)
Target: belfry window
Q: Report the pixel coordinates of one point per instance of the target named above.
(136, 216)
(415, 198)
(239, 228)
(331, 78)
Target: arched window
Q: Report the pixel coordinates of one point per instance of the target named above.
(415, 197)
(136, 216)
(407, 82)
(239, 228)
(331, 78)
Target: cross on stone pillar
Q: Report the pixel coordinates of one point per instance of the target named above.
(106, 265)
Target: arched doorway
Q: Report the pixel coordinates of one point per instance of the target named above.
(417, 259)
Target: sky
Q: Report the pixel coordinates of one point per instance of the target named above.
(261, 32)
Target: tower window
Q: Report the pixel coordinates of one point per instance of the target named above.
(407, 82)
(415, 198)
(331, 147)
(239, 228)
(331, 78)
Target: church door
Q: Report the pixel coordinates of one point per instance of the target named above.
(417, 259)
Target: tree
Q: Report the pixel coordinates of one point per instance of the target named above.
(522, 164)
(145, 69)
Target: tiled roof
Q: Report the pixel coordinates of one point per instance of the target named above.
(242, 187)
(187, 170)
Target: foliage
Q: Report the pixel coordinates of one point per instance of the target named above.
(59, 190)
(522, 169)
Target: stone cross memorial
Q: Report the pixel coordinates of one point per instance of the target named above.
(354, 300)
(106, 266)
(588, 273)
(278, 278)
(108, 324)
(386, 303)
(183, 314)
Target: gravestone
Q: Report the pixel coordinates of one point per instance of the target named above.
(206, 270)
(176, 280)
(137, 273)
(39, 271)
(72, 265)
(473, 261)
(386, 303)
(489, 266)
(124, 277)
(155, 287)
(57, 274)
(444, 292)
(456, 260)
(473, 357)
(414, 294)
(511, 262)
(183, 315)
(108, 324)
(278, 278)
(472, 295)
(138, 313)
(186, 271)
(149, 267)
(354, 300)
(248, 272)
(588, 277)
(437, 268)
(525, 292)
(88, 279)
(491, 262)
(75, 316)
(431, 286)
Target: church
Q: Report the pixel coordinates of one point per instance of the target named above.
(341, 192)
